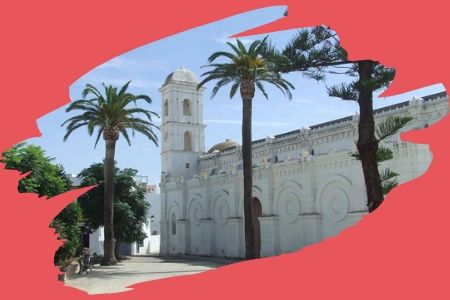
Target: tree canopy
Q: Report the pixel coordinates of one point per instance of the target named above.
(47, 179)
(130, 206)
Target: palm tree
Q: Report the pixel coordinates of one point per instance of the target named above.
(246, 70)
(111, 115)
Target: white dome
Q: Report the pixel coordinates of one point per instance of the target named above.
(223, 145)
(183, 75)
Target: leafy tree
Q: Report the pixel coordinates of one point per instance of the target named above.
(67, 224)
(246, 70)
(111, 115)
(130, 207)
(317, 53)
(47, 179)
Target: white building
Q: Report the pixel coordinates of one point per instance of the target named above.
(306, 185)
(151, 244)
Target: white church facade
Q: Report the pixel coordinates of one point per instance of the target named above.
(306, 185)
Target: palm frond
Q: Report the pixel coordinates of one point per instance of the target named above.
(257, 63)
(234, 88)
(110, 111)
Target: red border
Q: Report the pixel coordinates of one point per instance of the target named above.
(401, 251)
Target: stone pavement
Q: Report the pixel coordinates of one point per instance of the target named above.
(113, 279)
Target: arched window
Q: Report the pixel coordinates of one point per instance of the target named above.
(166, 108)
(174, 224)
(187, 141)
(186, 107)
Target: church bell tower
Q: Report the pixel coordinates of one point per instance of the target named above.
(182, 130)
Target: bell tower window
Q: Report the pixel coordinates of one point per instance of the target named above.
(187, 141)
(187, 107)
(166, 108)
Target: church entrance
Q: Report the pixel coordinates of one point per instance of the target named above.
(257, 213)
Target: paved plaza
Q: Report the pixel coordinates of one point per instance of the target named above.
(113, 279)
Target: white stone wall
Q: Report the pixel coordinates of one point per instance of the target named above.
(309, 186)
(96, 240)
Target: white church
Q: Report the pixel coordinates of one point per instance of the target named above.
(307, 187)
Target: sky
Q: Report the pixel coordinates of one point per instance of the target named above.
(148, 66)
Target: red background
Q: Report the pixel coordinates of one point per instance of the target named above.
(400, 251)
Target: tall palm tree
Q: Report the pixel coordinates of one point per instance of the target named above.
(111, 115)
(246, 70)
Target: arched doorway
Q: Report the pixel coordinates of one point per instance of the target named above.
(257, 213)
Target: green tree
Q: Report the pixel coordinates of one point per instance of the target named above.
(130, 207)
(112, 116)
(47, 179)
(246, 70)
(316, 53)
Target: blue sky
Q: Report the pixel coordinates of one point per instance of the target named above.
(147, 68)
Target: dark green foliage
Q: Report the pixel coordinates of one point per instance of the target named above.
(47, 179)
(383, 154)
(130, 207)
(388, 179)
(390, 126)
(384, 130)
(67, 224)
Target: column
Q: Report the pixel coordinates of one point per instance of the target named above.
(234, 226)
(269, 244)
(181, 233)
(164, 238)
(206, 232)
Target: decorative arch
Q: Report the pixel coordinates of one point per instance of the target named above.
(257, 192)
(187, 141)
(333, 200)
(221, 199)
(172, 217)
(288, 203)
(195, 201)
(220, 212)
(194, 215)
(187, 107)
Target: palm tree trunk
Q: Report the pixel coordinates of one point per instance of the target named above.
(367, 143)
(109, 257)
(250, 252)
